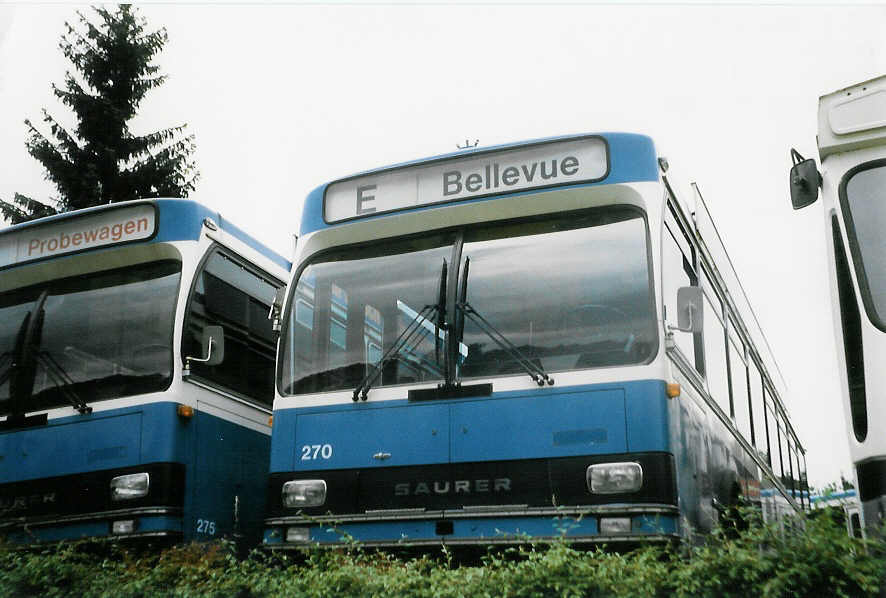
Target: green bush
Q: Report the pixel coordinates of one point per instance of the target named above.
(817, 559)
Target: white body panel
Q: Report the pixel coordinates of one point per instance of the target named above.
(190, 253)
(852, 134)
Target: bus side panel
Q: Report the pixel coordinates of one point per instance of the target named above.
(230, 465)
(713, 470)
(691, 432)
(647, 416)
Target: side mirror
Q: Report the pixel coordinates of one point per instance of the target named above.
(689, 310)
(212, 346)
(804, 180)
(276, 311)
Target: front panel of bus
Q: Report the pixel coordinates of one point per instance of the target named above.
(100, 436)
(480, 370)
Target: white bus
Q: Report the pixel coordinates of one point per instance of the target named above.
(852, 149)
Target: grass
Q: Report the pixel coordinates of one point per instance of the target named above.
(817, 559)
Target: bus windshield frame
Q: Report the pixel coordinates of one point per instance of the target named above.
(106, 334)
(865, 216)
(572, 291)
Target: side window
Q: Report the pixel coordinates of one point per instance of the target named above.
(678, 270)
(236, 296)
(802, 480)
(738, 375)
(783, 455)
(774, 446)
(768, 426)
(855, 525)
(756, 390)
(792, 471)
(305, 300)
(338, 327)
(373, 336)
(853, 348)
(715, 346)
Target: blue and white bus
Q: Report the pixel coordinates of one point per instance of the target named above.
(136, 374)
(522, 341)
(852, 147)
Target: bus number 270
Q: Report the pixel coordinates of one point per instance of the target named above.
(310, 452)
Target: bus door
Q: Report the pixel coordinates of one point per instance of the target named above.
(230, 299)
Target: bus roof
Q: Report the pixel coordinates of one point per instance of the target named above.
(852, 118)
(630, 158)
(176, 220)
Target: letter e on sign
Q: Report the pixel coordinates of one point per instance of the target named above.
(363, 198)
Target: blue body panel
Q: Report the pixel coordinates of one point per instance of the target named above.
(481, 530)
(529, 425)
(221, 460)
(228, 461)
(549, 422)
(632, 159)
(117, 438)
(541, 424)
(422, 434)
(161, 525)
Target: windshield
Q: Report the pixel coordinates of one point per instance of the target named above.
(351, 307)
(109, 332)
(864, 197)
(570, 293)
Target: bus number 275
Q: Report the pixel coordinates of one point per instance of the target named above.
(310, 452)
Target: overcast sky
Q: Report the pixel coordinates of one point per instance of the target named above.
(284, 97)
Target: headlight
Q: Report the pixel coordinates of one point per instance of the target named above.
(614, 478)
(123, 527)
(299, 535)
(615, 525)
(298, 494)
(127, 487)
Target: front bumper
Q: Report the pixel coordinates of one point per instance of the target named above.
(147, 522)
(477, 526)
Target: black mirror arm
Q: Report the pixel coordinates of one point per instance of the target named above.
(797, 158)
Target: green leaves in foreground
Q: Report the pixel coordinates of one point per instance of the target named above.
(818, 561)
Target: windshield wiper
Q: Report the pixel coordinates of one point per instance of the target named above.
(463, 308)
(5, 367)
(63, 382)
(437, 312)
(24, 370)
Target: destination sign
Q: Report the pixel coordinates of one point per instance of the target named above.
(109, 227)
(519, 169)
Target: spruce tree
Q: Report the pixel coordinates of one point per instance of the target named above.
(101, 161)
